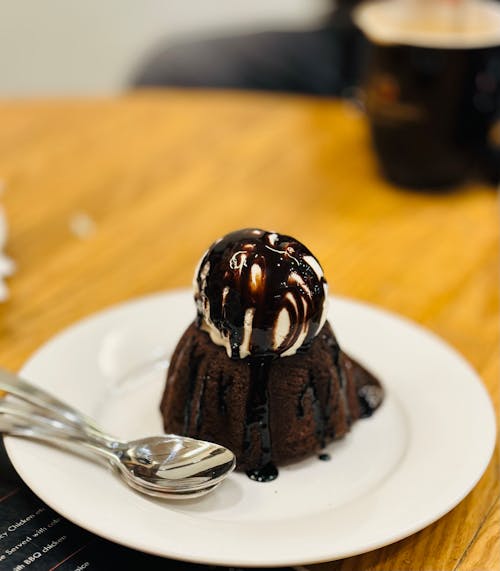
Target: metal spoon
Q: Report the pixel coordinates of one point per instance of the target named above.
(13, 427)
(158, 464)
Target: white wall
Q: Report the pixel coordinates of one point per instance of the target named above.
(65, 47)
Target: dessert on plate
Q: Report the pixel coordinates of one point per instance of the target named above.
(260, 370)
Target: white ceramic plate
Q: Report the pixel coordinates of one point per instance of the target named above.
(395, 473)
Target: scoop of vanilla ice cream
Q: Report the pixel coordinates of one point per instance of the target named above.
(260, 293)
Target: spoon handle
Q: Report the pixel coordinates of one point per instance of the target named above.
(18, 387)
(18, 425)
(13, 415)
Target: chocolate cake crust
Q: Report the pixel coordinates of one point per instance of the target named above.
(267, 412)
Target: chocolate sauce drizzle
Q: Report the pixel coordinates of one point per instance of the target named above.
(257, 419)
(194, 363)
(199, 411)
(321, 408)
(320, 419)
(368, 390)
(264, 294)
(223, 385)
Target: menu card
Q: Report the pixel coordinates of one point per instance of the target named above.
(34, 537)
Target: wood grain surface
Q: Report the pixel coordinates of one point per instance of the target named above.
(109, 199)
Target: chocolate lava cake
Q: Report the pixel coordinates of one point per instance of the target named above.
(260, 370)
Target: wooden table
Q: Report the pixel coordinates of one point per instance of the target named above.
(163, 174)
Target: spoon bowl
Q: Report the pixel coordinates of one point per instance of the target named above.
(178, 460)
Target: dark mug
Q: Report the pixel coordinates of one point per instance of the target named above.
(492, 163)
(431, 108)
